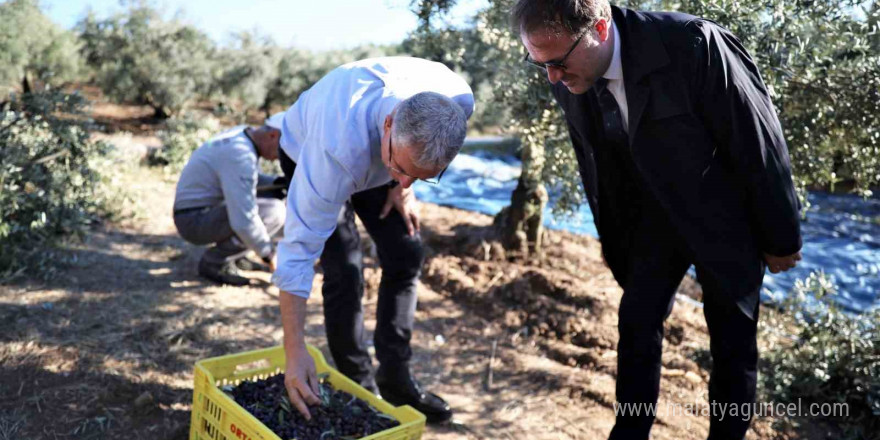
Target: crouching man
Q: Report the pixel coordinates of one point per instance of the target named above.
(217, 203)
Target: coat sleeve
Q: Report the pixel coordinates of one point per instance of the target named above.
(736, 108)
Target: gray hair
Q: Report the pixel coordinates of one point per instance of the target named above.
(435, 124)
(572, 16)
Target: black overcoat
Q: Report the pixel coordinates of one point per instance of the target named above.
(705, 140)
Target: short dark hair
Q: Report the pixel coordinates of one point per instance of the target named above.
(572, 16)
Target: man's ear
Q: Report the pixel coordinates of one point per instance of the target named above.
(602, 29)
(388, 121)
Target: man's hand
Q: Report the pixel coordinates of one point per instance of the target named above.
(301, 379)
(782, 264)
(404, 200)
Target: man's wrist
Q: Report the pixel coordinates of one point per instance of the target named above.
(293, 315)
(295, 340)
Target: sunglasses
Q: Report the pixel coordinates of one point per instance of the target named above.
(557, 64)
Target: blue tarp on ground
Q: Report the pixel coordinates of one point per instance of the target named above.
(841, 232)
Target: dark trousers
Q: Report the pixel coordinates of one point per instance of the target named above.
(658, 262)
(400, 257)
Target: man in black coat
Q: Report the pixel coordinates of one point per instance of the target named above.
(684, 162)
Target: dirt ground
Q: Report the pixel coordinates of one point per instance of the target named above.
(106, 349)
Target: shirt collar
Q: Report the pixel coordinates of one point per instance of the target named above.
(615, 70)
(253, 143)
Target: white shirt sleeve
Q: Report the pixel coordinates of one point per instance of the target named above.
(318, 190)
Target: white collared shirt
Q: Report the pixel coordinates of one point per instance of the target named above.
(614, 75)
(333, 133)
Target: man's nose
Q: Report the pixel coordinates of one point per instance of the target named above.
(555, 74)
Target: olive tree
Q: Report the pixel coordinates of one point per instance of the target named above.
(50, 175)
(142, 58)
(33, 48)
(494, 53)
(248, 69)
(298, 69)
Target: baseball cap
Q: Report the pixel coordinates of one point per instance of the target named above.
(275, 121)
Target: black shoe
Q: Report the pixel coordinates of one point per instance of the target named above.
(403, 389)
(245, 263)
(225, 273)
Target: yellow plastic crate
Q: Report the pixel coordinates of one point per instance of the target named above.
(215, 416)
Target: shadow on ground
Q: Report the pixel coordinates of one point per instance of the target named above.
(126, 317)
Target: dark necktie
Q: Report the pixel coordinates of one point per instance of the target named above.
(612, 120)
(619, 191)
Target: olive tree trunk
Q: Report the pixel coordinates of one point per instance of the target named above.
(520, 225)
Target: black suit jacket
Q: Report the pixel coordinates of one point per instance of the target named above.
(706, 142)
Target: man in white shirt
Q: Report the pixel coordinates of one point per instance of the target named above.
(355, 143)
(216, 201)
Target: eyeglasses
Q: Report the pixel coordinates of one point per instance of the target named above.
(396, 169)
(557, 64)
